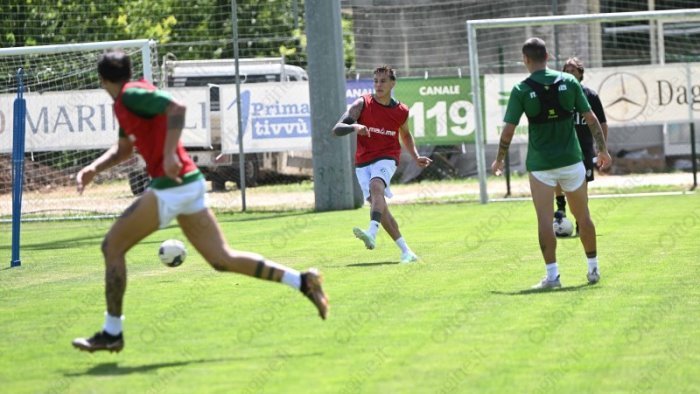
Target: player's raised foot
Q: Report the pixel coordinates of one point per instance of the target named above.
(548, 284)
(311, 281)
(100, 341)
(593, 276)
(408, 257)
(365, 237)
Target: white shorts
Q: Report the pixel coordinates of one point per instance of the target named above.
(570, 178)
(185, 199)
(382, 169)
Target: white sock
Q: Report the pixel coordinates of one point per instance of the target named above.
(401, 243)
(373, 228)
(592, 264)
(113, 324)
(552, 271)
(292, 278)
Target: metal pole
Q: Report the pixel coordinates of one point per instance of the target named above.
(295, 11)
(60, 48)
(478, 108)
(146, 59)
(691, 118)
(555, 11)
(20, 110)
(693, 156)
(666, 15)
(501, 66)
(335, 187)
(652, 34)
(241, 131)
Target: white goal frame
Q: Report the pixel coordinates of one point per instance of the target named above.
(143, 44)
(474, 25)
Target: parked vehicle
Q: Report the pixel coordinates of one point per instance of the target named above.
(217, 167)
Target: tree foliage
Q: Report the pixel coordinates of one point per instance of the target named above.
(198, 29)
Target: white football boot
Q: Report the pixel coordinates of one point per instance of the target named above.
(365, 237)
(548, 284)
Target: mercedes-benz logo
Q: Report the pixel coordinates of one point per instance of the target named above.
(624, 96)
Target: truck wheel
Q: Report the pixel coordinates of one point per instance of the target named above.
(218, 183)
(252, 171)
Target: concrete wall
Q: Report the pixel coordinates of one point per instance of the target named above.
(416, 36)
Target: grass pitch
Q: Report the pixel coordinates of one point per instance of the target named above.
(463, 320)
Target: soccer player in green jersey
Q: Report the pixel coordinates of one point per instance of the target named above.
(549, 98)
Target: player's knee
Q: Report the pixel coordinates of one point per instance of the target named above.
(586, 222)
(217, 261)
(376, 186)
(218, 266)
(110, 248)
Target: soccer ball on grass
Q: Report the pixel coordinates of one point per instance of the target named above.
(172, 252)
(563, 227)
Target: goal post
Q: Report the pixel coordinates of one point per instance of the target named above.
(50, 87)
(473, 26)
(143, 44)
(18, 130)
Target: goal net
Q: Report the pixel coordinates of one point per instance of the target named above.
(69, 122)
(644, 66)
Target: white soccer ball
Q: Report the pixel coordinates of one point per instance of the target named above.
(563, 227)
(172, 252)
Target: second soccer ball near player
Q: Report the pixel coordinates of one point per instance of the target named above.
(563, 227)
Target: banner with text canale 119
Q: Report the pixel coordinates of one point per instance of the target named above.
(441, 111)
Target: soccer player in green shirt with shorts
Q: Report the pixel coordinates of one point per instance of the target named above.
(549, 98)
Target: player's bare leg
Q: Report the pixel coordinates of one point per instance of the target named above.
(542, 196)
(377, 207)
(203, 231)
(390, 225)
(376, 193)
(578, 203)
(137, 222)
(392, 228)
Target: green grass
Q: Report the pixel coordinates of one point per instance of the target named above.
(461, 321)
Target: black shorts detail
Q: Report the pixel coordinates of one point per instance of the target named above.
(590, 165)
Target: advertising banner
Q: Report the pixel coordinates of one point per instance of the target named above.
(632, 95)
(440, 113)
(84, 119)
(356, 88)
(275, 117)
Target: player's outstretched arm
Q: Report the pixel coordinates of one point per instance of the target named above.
(410, 145)
(347, 125)
(503, 146)
(114, 155)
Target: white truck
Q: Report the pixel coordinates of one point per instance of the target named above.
(220, 168)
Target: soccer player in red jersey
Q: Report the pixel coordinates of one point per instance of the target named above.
(379, 120)
(151, 121)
